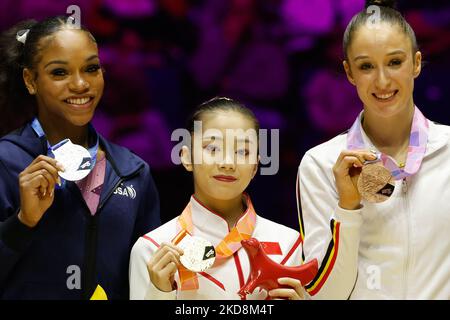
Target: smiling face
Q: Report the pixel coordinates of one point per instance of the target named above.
(382, 66)
(226, 153)
(67, 80)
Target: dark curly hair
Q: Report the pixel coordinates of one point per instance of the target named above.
(17, 106)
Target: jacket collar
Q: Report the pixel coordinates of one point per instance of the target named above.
(210, 222)
(438, 137)
(122, 160)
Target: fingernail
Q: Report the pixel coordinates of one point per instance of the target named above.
(59, 181)
(60, 165)
(51, 194)
(45, 192)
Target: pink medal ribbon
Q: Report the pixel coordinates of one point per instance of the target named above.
(416, 149)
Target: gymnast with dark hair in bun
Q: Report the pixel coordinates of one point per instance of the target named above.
(384, 182)
(199, 255)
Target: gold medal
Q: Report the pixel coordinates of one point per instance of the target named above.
(199, 254)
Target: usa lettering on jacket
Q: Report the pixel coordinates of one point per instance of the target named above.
(126, 191)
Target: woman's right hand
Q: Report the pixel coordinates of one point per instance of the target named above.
(163, 265)
(346, 173)
(36, 186)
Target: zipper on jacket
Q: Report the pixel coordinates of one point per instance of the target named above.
(404, 186)
(89, 275)
(408, 237)
(90, 248)
(118, 183)
(90, 264)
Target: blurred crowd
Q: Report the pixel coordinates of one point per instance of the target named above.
(281, 58)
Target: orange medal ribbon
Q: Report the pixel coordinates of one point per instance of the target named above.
(227, 247)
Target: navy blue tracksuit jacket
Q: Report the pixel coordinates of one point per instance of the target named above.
(43, 262)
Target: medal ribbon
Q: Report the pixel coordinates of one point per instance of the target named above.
(227, 247)
(416, 149)
(36, 125)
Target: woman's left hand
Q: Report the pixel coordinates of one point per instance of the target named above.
(294, 293)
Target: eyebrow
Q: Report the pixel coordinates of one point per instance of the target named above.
(55, 62)
(94, 56)
(246, 139)
(211, 137)
(389, 54)
(396, 52)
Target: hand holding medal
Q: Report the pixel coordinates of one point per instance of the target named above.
(347, 170)
(37, 182)
(361, 174)
(36, 185)
(186, 254)
(163, 265)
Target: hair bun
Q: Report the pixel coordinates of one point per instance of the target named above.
(382, 3)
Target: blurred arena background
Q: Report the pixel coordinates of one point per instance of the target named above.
(282, 58)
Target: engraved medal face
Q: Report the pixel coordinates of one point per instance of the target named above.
(199, 254)
(75, 159)
(375, 183)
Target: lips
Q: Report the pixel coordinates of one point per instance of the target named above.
(385, 96)
(225, 178)
(79, 102)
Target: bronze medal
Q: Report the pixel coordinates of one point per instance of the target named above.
(375, 183)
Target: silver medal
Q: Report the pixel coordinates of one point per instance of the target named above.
(76, 160)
